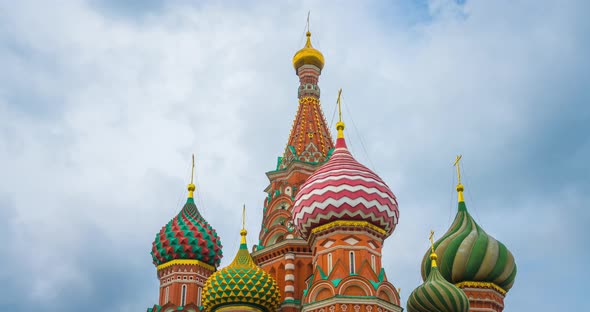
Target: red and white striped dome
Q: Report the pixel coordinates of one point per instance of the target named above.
(344, 189)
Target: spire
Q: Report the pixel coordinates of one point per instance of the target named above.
(310, 140)
(433, 256)
(243, 257)
(459, 185)
(340, 124)
(243, 232)
(191, 186)
(308, 55)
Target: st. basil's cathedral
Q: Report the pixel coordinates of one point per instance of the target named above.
(325, 219)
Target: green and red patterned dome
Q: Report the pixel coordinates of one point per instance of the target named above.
(188, 236)
(468, 254)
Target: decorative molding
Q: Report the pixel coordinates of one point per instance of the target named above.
(186, 262)
(486, 285)
(344, 223)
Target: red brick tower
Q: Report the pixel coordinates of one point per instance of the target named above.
(281, 251)
(346, 212)
(186, 252)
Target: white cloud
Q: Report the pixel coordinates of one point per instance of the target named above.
(99, 115)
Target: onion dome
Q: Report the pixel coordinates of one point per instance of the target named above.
(187, 236)
(308, 55)
(437, 295)
(469, 254)
(344, 189)
(241, 283)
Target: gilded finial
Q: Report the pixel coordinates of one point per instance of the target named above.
(340, 124)
(308, 34)
(243, 232)
(433, 256)
(308, 55)
(191, 186)
(459, 185)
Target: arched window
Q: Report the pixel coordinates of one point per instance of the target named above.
(199, 296)
(183, 296)
(352, 266)
(166, 294)
(329, 263)
(373, 262)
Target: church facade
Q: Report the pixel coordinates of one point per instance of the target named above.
(325, 219)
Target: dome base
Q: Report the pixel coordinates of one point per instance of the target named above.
(483, 298)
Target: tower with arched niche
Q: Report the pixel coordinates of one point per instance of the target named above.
(186, 251)
(346, 212)
(282, 251)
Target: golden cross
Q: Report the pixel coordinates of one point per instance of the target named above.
(308, 12)
(193, 169)
(244, 217)
(431, 238)
(339, 105)
(456, 164)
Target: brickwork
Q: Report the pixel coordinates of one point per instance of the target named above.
(174, 277)
(484, 299)
(347, 264)
(281, 251)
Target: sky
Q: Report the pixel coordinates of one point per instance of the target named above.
(102, 104)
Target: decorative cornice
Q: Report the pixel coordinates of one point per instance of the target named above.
(279, 249)
(186, 262)
(342, 299)
(487, 285)
(345, 223)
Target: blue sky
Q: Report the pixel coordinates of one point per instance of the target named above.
(102, 104)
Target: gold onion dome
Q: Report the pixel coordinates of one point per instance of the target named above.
(242, 283)
(308, 55)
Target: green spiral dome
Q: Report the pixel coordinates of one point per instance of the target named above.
(241, 283)
(437, 295)
(468, 254)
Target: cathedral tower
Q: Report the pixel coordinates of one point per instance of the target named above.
(186, 252)
(346, 212)
(281, 251)
(473, 260)
(242, 286)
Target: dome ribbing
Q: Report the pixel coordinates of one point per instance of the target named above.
(187, 236)
(344, 189)
(437, 295)
(468, 254)
(241, 282)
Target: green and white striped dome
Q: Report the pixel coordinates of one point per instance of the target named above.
(437, 295)
(468, 254)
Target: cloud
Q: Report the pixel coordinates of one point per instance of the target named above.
(101, 105)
